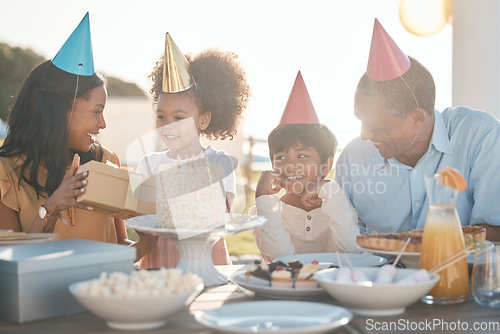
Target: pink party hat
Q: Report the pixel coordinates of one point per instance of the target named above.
(299, 108)
(386, 61)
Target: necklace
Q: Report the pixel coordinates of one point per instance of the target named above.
(175, 157)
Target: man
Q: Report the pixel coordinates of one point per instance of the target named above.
(403, 138)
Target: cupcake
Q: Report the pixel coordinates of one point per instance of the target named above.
(258, 273)
(295, 266)
(305, 278)
(281, 278)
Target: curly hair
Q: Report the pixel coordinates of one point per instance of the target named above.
(221, 88)
(38, 127)
(394, 94)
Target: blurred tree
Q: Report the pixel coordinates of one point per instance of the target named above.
(16, 63)
(117, 87)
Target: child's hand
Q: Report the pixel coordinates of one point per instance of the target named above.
(310, 197)
(269, 183)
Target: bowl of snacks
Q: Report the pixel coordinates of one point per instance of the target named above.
(376, 291)
(140, 300)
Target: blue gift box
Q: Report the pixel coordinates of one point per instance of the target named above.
(34, 278)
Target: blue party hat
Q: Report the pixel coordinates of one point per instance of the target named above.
(75, 56)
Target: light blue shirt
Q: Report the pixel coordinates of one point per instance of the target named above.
(390, 196)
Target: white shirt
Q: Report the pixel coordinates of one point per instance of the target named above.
(291, 230)
(151, 163)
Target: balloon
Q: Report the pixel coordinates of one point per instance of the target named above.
(425, 17)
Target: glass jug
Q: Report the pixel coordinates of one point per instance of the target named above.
(442, 239)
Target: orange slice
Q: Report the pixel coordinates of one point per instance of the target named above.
(451, 177)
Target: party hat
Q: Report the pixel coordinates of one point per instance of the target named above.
(75, 56)
(176, 73)
(299, 108)
(386, 61)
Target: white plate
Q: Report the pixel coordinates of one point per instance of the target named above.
(327, 259)
(28, 238)
(269, 291)
(412, 259)
(275, 316)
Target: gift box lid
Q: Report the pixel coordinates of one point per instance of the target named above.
(63, 254)
(105, 168)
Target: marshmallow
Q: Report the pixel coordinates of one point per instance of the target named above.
(359, 276)
(344, 274)
(386, 274)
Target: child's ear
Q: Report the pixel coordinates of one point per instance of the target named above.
(205, 120)
(326, 167)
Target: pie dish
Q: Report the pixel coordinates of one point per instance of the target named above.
(394, 242)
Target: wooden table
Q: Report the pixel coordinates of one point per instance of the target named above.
(419, 317)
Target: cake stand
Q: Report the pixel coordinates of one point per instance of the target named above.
(196, 250)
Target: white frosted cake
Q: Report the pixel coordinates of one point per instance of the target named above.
(190, 196)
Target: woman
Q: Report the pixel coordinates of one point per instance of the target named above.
(53, 125)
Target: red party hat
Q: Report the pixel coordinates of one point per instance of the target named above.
(299, 108)
(386, 61)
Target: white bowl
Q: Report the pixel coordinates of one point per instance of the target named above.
(134, 313)
(377, 299)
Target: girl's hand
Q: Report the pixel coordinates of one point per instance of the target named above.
(145, 245)
(310, 196)
(72, 186)
(269, 183)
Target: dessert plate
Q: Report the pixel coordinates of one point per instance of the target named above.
(275, 316)
(328, 259)
(278, 293)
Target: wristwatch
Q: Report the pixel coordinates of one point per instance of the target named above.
(43, 213)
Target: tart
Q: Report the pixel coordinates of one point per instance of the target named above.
(394, 242)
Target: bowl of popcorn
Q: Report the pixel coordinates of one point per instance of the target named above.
(140, 300)
(376, 291)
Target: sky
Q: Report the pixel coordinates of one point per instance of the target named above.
(327, 40)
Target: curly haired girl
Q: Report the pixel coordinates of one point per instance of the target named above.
(213, 107)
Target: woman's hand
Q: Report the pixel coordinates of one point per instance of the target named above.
(72, 186)
(269, 183)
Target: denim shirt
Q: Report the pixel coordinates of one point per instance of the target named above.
(390, 196)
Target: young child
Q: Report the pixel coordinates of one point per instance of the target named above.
(313, 215)
(204, 95)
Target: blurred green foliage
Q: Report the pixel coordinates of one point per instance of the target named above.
(15, 65)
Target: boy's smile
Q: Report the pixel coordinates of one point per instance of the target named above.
(298, 166)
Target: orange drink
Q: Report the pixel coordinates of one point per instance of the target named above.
(443, 238)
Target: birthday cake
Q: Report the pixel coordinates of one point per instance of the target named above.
(190, 196)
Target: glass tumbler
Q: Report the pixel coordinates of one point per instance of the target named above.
(486, 276)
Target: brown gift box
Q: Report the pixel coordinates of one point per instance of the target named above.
(110, 191)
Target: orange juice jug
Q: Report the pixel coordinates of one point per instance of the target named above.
(442, 239)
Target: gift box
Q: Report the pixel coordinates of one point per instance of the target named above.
(34, 278)
(118, 192)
